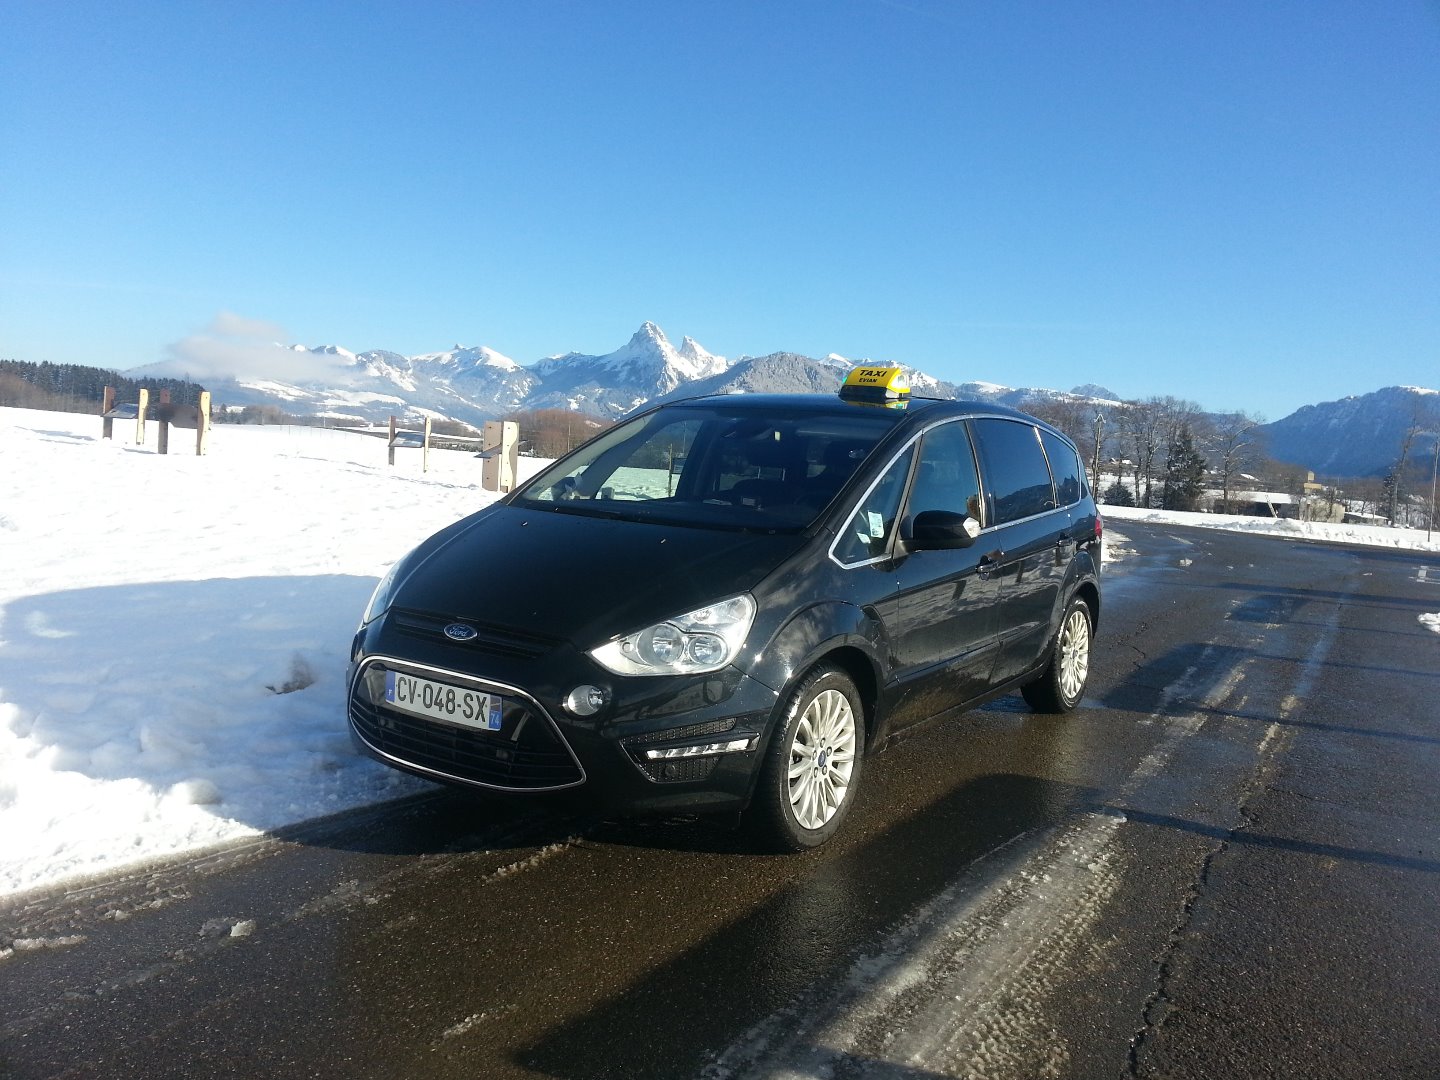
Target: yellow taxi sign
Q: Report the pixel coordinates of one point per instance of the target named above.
(882, 384)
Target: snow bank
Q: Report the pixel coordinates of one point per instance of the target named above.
(1372, 535)
(173, 631)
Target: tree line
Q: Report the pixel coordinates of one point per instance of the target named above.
(553, 433)
(77, 388)
(1166, 453)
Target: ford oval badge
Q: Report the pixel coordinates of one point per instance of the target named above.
(458, 631)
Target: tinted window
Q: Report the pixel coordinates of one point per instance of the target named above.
(867, 534)
(722, 466)
(1015, 471)
(946, 479)
(1065, 467)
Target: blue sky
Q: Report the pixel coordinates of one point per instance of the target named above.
(1236, 203)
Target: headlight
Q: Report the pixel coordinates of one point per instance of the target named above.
(697, 642)
(380, 598)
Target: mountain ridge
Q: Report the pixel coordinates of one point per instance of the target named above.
(1355, 436)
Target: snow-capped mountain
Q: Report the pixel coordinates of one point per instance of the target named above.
(475, 384)
(469, 384)
(646, 367)
(1357, 436)
(1353, 437)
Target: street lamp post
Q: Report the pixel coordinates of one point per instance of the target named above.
(1434, 471)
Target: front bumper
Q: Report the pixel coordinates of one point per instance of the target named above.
(659, 744)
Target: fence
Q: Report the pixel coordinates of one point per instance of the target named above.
(166, 413)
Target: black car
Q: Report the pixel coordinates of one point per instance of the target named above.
(729, 603)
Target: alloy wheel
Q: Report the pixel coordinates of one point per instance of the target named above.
(1074, 654)
(822, 759)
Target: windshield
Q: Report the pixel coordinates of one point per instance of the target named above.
(713, 466)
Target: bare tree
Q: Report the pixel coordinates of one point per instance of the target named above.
(553, 433)
(1416, 425)
(1149, 427)
(1080, 419)
(1235, 446)
(1141, 424)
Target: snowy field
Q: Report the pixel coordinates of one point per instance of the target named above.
(155, 610)
(173, 630)
(1371, 535)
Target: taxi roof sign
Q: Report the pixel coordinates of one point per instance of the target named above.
(883, 385)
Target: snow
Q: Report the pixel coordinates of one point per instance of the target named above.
(649, 349)
(1371, 535)
(174, 630)
(478, 356)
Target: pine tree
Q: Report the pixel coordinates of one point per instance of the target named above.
(1184, 472)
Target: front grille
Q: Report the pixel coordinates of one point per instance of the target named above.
(676, 770)
(526, 754)
(497, 640)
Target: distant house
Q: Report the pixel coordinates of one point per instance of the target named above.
(1267, 504)
(1270, 504)
(1359, 517)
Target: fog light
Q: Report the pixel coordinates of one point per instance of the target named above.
(585, 700)
(730, 746)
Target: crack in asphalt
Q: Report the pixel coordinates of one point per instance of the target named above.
(1157, 1010)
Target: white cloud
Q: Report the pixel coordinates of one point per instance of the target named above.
(245, 349)
(228, 324)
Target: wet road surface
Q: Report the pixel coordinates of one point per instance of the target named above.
(1226, 863)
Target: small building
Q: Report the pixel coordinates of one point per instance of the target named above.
(1266, 504)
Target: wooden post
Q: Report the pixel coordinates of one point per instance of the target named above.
(202, 425)
(140, 410)
(392, 439)
(163, 415)
(425, 448)
(107, 425)
(499, 445)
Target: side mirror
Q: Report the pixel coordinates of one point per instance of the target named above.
(942, 530)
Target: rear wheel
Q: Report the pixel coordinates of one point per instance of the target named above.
(1062, 683)
(812, 765)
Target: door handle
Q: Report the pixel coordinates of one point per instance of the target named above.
(988, 563)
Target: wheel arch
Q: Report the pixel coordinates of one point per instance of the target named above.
(1090, 593)
(862, 672)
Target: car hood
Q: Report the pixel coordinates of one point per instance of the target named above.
(584, 579)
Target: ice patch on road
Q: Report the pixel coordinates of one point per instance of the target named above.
(963, 984)
(1113, 545)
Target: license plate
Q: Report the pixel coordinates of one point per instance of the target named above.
(441, 701)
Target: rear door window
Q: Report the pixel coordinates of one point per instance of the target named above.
(1018, 483)
(1065, 468)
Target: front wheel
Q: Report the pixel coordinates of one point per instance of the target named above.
(1060, 686)
(812, 764)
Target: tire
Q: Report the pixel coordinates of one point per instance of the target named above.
(812, 764)
(1060, 686)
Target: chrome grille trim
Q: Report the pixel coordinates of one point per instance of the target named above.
(361, 713)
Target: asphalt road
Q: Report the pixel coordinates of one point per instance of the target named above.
(1225, 864)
